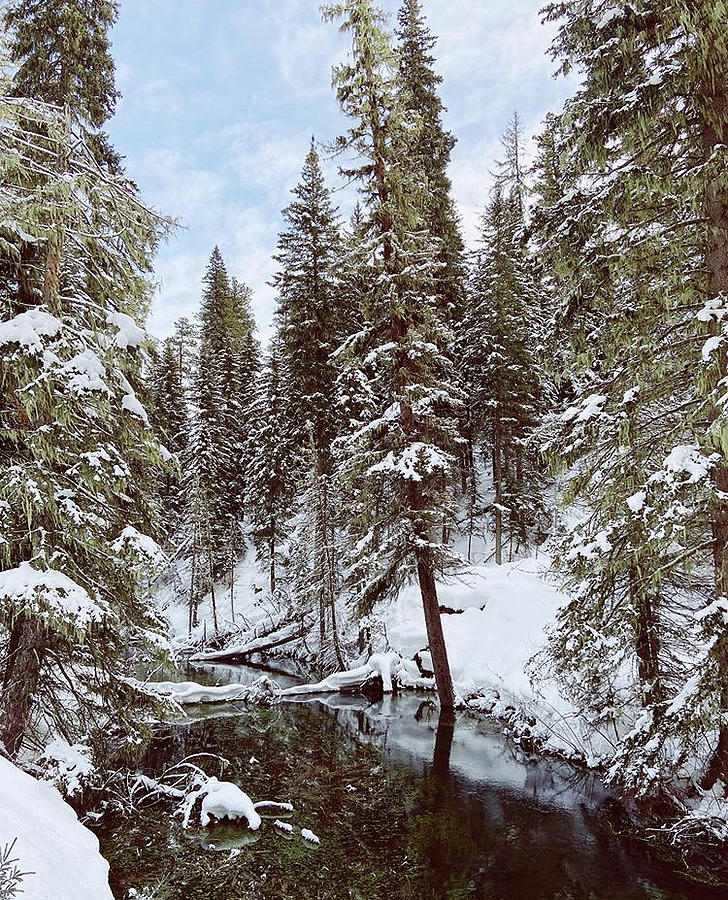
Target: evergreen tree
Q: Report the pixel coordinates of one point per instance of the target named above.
(272, 462)
(209, 449)
(169, 417)
(430, 151)
(62, 52)
(221, 392)
(500, 353)
(77, 453)
(642, 252)
(311, 328)
(397, 460)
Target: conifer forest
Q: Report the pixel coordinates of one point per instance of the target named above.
(416, 587)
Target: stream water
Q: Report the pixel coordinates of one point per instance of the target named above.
(403, 809)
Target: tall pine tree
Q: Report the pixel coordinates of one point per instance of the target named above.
(398, 459)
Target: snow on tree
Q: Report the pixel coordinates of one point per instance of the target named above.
(639, 237)
(398, 459)
(78, 453)
(311, 326)
(271, 463)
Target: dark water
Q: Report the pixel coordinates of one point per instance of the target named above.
(403, 808)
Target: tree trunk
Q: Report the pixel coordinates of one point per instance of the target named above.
(497, 479)
(435, 636)
(192, 617)
(714, 109)
(21, 680)
(272, 553)
(443, 742)
(647, 644)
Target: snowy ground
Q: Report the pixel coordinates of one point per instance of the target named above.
(504, 613)
(61, 857)
(506, 610)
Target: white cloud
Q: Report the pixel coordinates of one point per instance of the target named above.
(220, 101)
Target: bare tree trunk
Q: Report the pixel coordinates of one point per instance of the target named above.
(443, 741)
(272, 553)
(232, 581)
(192, 617)
(647, 644)
(212, 573)
(435, 636)
(21, 680)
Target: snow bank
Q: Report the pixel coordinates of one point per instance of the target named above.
(504, 614)
(62, 855)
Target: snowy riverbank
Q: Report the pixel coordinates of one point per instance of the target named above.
(59, 856)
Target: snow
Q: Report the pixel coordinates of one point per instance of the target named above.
(412, 462)
(187, 692)
(131, 404)
(637, 501)
(129, 334)
(689, 460)
(87, 373)
(274, 804)
(50, 592)
(386, 665)
(711, 345)
(284, 826)
(309, 836)
(223, 800)
(141, 544)
(67, 765)
(589, 408)
(61, 854)
(506, 610)
(27, 329)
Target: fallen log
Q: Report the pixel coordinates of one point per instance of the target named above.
(291, 632)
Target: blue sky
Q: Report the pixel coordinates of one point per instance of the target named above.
(221, 97)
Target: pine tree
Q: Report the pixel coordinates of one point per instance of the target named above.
(214, 464)
(62, 53)
(642, 251)
(169, 417)
(209, 450)
(430, 151)
(77, 452)
(398, 461)
(272, 462)
(311, 328)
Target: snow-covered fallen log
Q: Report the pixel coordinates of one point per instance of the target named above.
(258, 644)
(189, 692)
(389, 667)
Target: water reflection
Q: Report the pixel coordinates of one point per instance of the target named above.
(451, 810)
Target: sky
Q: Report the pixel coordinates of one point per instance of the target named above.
(220, 99)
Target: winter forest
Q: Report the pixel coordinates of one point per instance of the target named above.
(437, 565)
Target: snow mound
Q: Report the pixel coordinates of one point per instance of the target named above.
(51, 843)
(222, 800)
